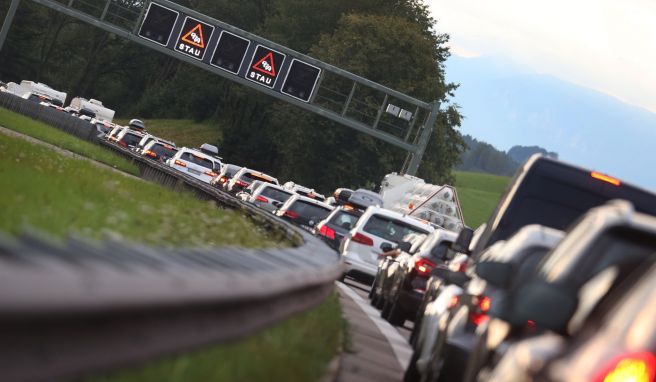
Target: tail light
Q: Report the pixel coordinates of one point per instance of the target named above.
(362, 239)
(480, 305)
(223, 179)
(453, 301)
(327, 232)
(605, 178)
(122, 143)
(462, 267)
(638, 367)
(210, 173)
(262, 199)
(424, 267)
(180, 163)
(241, 183)
(290, 214)
(150, 154)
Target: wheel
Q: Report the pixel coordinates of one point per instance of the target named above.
(411, 373)
(396, 315)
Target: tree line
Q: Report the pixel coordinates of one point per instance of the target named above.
(392, 42)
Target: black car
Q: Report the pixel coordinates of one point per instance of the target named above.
(337, 225)
(303, 212)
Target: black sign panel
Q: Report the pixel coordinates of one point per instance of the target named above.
(229, 52)
(264, 66)
(194, 37)
(158, 24)
(301, 80)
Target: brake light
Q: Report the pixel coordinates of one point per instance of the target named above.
(453, 301)
(180, 163)
(480, 306)
(327, 232)
(262, 199)
(362, 239)
(291, 214)
(122, 143)
(605, 178)
(210, 173)
(150, 154)
(241, 183)
(636, 367)
(424, 267)
(223, 179)
(462, 267)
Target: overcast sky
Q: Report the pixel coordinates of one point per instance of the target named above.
(605, 45)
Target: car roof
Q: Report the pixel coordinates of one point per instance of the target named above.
(399, 216)
(198, 153)
(297, 197)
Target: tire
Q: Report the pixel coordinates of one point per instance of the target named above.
(411, 373)
(396, 315)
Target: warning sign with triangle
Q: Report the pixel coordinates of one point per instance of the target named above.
(194, 38)
(265, 65)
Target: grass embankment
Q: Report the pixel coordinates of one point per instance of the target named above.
(43, 132)
(298, 349)
(184, 132)
(42, 189)
(479, 193)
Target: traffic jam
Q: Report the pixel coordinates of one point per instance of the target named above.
(558, 285)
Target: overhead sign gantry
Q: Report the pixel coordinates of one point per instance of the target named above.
(270, 68)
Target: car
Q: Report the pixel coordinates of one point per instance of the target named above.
(227, 172)
(460, 321)
(148, 138)
(304, 191)
(303, 211)
(128, 138)
(269, 196)
(159, 150)
(196, 164)
(361, 197)
(376, 231)
(335, 226)
(111, 136)
(404, 280)
(103, 127)
(246, 176)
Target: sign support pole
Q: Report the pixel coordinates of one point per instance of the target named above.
(8, 20)
(415, 161)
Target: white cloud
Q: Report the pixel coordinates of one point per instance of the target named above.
(606, 45)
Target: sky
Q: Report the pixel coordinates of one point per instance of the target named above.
(605, 45)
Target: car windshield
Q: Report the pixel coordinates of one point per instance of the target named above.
(131, 139)
(276, 194)
(389, 228)
(163, 150)
(309, 210)
(190, 157)
(344, 219)
(57, 102)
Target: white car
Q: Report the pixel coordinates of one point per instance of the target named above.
(196, 164)
(376, 230)
(244, 177)
(269, 196)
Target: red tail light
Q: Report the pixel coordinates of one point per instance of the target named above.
(453, 301)
(462, 267)
(150, 154)
(327, 232)
(180, 163)
(262, 199)
(223, 179)
(210, 173)
(424, 267)
(122, 143)
(241, 183)
(480, 306)
(362, 239)
(291, 214)
(637, 367)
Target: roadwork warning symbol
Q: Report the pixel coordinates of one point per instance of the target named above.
(265, 65)
(194, 37)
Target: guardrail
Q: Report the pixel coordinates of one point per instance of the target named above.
(74, 307)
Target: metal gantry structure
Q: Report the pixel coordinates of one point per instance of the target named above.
(263, 65)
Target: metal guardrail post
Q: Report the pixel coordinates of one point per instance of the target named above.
(8, 20)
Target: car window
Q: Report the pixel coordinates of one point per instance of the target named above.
(230, 171)
(309, 211)
(438, 253)
(344, 219)
(190, 157)
(274, 193)
(163, 150)
(389, 228)
(131, 139)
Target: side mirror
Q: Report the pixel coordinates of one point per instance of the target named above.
(496, 273)
(550, 305)
(404, 246)
(461, 244)
(386, 247)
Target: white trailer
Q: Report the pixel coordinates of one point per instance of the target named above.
(102, 113)
(410, 195)
(39, 88)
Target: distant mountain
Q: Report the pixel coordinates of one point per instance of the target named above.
(483, 157)
(505, 105)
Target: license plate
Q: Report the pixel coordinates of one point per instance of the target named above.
(305, 227)
(195, 172)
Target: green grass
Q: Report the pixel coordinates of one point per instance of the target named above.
(43, 132)
(297, 349)
(479, 193)
(184, 132)
(42, 189)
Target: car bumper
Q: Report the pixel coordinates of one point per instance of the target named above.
(458, 349)
(359, 269)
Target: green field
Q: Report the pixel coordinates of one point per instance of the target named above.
(184, 132)
(479, 194)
